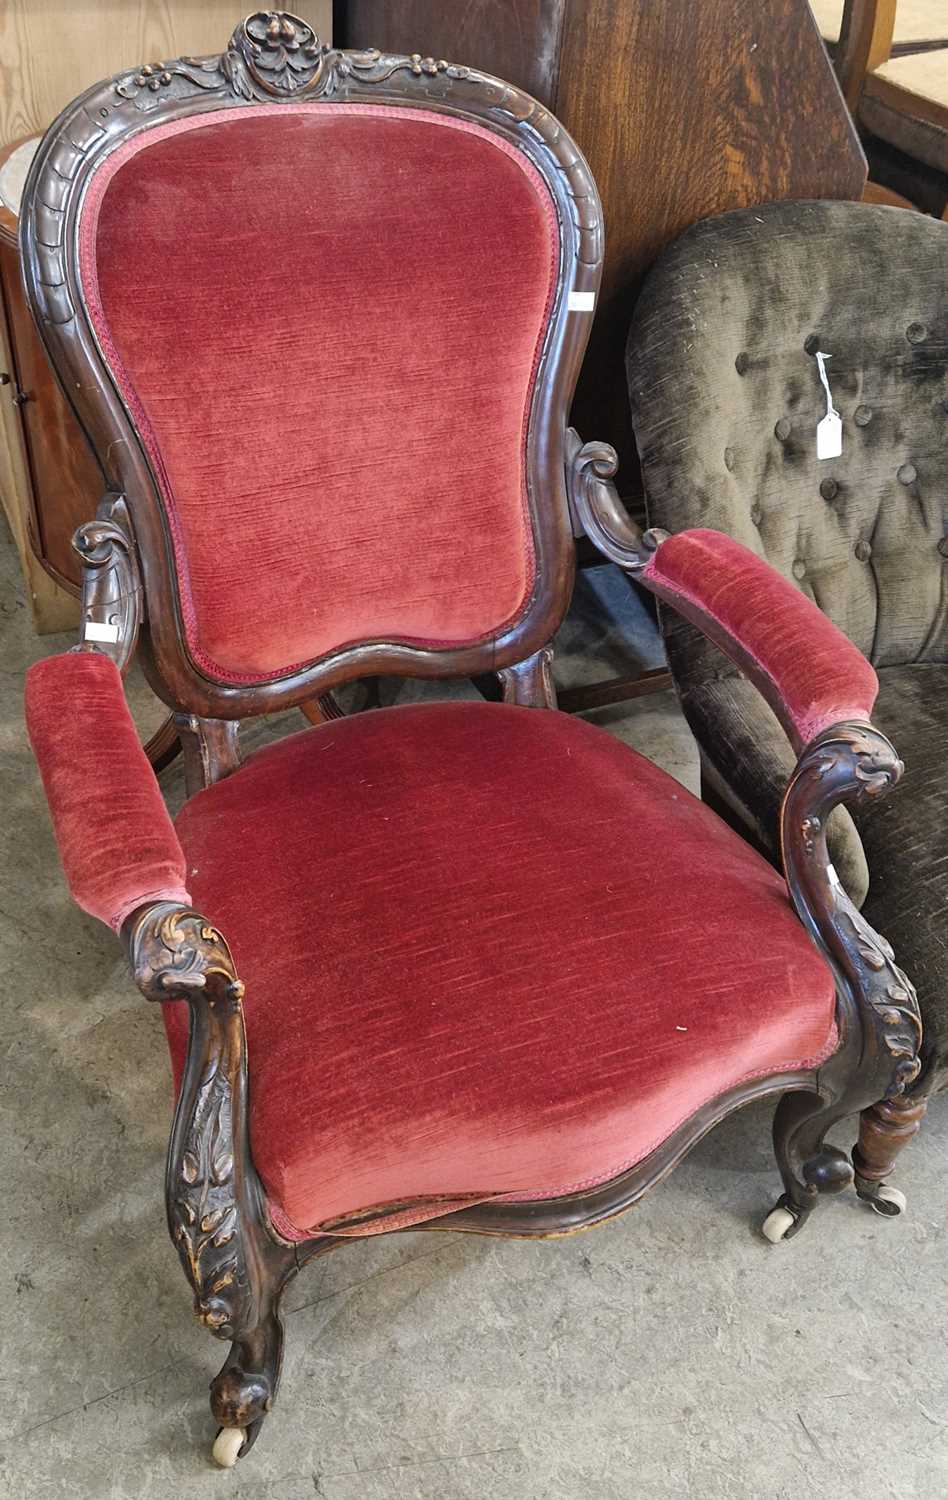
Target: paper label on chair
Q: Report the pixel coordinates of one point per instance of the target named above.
(582, 301)
(829, 432)
(829, 436)
(95, 630)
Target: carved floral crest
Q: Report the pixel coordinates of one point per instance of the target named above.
(280, 52)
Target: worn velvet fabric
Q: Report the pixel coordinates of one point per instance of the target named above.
(326, 320)
(726, 397)
(487, 951)
(116, 841)
(906, 842)
(808, 670)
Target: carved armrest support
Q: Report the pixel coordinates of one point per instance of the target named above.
(175, 954)
(850, 763)
(214, 1200)
(597, 510)
(111, 583)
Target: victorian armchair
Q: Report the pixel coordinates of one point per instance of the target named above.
(726, 391)
(321, 314)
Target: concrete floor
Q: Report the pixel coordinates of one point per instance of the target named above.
(671, 1353)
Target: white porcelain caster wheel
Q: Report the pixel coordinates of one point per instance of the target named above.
(227, 1446)
(777, 1224)
(888, 1201)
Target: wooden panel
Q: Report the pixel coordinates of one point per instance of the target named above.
(52, 609)
(685, 111)
(66, 481)
(50, 50)
(517, 41)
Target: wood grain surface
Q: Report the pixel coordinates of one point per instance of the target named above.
(683, 109)
(50, 50)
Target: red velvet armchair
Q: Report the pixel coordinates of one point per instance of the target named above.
(321, 314)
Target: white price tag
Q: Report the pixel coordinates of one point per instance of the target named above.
(98, 630)
(829, 436)
(829, 432)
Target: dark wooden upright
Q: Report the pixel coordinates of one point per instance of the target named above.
(683, 109)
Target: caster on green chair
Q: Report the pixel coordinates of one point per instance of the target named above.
(882, 1199)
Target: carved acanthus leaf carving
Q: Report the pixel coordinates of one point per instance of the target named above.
(177, 955)
(146, 86)
(893, 996)
(850, 763)
(203, 1212)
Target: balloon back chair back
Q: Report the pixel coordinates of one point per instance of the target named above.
(321, 314)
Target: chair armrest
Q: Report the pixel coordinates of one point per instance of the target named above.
(808, 670)
(116, 840)
(822, 690)
(850, 763)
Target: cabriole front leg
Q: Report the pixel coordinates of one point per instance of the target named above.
(877, 1012)
(808, 1165)
(236, 1266)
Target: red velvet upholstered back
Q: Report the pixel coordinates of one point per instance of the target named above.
(326, 322)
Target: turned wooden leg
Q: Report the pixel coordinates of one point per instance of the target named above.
(884, 1130)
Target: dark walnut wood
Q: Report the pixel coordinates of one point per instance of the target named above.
(111, 584)
(211, 749)
(530, 682)
(683, 110)
(235, 1260)
(65, 479)
(112, 604)
(885, 1129)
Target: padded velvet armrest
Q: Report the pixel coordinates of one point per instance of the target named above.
(810, 673)
(116, 841)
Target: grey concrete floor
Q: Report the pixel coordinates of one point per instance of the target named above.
(671, 1353)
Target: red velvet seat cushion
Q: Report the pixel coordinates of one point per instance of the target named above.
(487, 950)
(326, 320)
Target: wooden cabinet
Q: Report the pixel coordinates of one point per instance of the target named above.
(684, 110)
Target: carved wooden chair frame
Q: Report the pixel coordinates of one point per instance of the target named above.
(236, 1262)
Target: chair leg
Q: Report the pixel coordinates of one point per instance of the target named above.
(885, 1129)
(245, 1389)
(808, 1166)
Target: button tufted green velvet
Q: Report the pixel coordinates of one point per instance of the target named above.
(726, 398)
